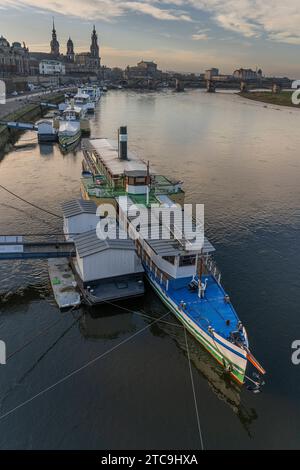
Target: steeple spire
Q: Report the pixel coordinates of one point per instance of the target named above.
(94, 44)
(54, 44)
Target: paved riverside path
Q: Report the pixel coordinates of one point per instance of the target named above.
(17, 102)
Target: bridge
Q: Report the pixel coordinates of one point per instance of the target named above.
(13, 247)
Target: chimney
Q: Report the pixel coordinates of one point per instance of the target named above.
(122, 143)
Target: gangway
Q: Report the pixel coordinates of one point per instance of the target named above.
(21, 126)
(13, 247)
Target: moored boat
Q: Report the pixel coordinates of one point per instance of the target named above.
(184, 276)
(105, 269)
(69, 131)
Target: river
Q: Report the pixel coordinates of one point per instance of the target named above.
(241, 159)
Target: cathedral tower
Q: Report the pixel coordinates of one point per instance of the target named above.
(70, 50)
(54, 44)
(95, 48)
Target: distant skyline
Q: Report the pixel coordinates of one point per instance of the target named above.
(182, 35)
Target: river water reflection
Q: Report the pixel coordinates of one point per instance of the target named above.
(241, 160)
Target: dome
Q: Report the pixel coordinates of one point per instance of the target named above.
(4, 42)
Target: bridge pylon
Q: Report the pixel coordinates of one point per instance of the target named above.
(210, 86)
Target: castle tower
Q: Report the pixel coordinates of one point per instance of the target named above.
(54, 44)
(95, 48)
(70, 50)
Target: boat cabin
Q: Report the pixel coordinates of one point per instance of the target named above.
(101, 259)
(136, 181)
(72, 113)
(79, 216)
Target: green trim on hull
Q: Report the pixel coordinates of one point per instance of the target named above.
(67, 141)
(237, 373)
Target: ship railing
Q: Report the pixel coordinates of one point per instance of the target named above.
(163, 189)
(212, 268)
(157, 275)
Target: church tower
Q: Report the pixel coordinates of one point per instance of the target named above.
(54, 44)
(70, 50)
(95, 48)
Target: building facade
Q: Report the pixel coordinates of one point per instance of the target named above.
(71, 63)
(51, 67)
(143, 70)
(209, 74)
(14, 59)
(90, 61)
(247, 74)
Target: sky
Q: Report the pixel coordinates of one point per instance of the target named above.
(181, 35)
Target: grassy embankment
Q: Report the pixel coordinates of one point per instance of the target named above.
(284, 98)
(27, 113)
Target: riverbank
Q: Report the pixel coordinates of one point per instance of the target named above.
(27, 109)
(284, 98)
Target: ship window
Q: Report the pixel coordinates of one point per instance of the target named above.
(140, 180)
(136, 181)
(169, 259)
(187, 260)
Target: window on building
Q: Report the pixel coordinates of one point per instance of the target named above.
(187, 260)
(169, 259)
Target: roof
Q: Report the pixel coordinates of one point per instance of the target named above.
(157, 226)
(108, 153)
(78, 206)
(136, 173)
(89, 244)
(41, 56)
(173, 247)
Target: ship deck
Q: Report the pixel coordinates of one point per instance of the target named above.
(211, 310)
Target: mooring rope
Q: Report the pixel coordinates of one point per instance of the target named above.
(194, 393)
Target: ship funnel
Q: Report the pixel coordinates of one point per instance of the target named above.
(122, 143)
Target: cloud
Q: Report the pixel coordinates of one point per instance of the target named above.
(155, 12)
(101, 9)
(200, 37)
(276, 20)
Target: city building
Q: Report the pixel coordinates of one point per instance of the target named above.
(210, 73)
(14, 59)
(51, 67)
(247, 74)
(90, 61)
(143, 70)
(70, 63)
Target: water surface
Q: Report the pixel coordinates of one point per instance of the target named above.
(241, 160)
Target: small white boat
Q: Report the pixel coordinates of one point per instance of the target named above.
(93, 91)
(84, 101)
(63, 283)
(69, 131)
